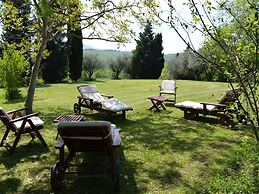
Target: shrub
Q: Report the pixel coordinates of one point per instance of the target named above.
(12, 64)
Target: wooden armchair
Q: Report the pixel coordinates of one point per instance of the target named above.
(21, 124)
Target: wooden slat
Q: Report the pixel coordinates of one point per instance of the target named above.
(69, 118)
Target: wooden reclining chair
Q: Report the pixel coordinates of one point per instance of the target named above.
(87, 136)
(91, 98)
(19, 124)
(168, 87)
(219, 109)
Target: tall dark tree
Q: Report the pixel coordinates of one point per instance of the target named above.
(54, 67)
(148, 59)
(158, 59)
(75, 53)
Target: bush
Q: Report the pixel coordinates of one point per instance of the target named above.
(103, 73)
(12, 64)
(241, 174)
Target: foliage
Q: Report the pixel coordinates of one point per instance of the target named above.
(119, 65)
(11, 65)
(54, 67)
(231, 31)
(18, 31)
(91, 64)
(241, 175)
(186, 66)
(148, 59)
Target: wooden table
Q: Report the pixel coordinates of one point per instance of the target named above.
(69, 118)
(157, 102)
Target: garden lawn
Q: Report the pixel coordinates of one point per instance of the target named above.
(160, 152)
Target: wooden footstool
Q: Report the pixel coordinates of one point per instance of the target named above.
(157, 102)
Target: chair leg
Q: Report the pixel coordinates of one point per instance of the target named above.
(123, 114)
(18, 136)
(33, 127)
(4, 137)
(41, 138)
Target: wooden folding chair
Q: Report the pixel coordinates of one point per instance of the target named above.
(20, 124)
(168, 87)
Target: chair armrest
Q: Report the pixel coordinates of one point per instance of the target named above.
(85, 98)
(24, 117)
(16, 110)
(107, 96)
(218, 105)
(221, 107)
(116, 138)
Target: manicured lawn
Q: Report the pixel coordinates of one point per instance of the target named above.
(160, 152)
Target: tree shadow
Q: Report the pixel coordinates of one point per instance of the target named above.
(15, 101)
(10, 185)
(94, 174)
(46, 85)
(30, 152)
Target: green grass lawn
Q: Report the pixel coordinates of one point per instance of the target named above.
(160, 152)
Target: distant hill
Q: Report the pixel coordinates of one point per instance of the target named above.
(105, 56)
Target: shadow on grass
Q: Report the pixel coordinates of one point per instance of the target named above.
(89, 82)
(164, 134)
(94, 174)
(9, 185)
(21, 99)
(43, 86)
(30, 152)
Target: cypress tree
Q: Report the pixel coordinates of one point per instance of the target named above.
(75, 54)
(158, 56)
(148, 59)
(54, 67)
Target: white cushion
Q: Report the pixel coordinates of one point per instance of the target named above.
(168, 85)
(193, 105)
(115, 105)
(116, 137)
(97, 97)
(87, 89)
(35, 120)
(167, 92)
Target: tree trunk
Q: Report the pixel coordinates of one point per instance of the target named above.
(35, 69)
